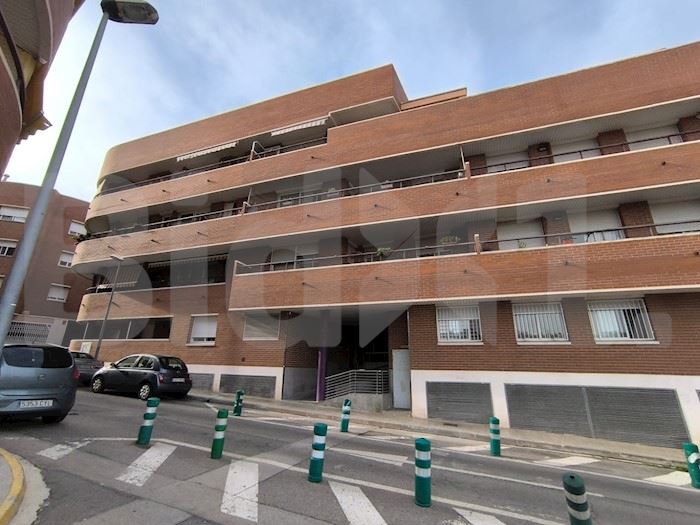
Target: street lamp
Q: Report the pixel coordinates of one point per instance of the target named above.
(124, 11)
(109, 303)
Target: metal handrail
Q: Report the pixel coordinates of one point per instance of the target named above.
(435, 250)
(517, 164)
(215, 165)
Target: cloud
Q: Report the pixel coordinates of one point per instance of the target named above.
(208, 57)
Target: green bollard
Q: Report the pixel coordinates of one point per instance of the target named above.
(317, 451)
(148, 418)
(423, 480)
(345, 417)
(495, 434)
(693, 458)
(576, 499)
(217, 445)
(238, 405)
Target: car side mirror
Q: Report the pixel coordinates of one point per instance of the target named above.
(112, 365)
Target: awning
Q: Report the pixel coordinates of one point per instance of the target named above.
(304, 125)
(163, 264)
(201, 152)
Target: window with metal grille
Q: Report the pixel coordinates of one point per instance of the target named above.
(203, 330)
(625, 320)
(7, 248)
(458, 324)
(65, 259)
(13, 214)
(261, 326)
(58, 292)
(543, 322)
(76, 228)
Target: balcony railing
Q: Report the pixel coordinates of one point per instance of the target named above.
(567, 156)
(476, 246)
(257, 152)
(287, 202)
(357, 382)
(9, 49)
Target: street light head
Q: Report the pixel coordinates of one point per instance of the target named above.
(130, 11)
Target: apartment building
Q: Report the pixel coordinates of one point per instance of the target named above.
(531, 252)
(30, 32)
(52, 293)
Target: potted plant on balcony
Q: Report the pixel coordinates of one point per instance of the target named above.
(382, 252)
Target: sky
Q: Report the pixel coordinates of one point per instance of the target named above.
(210, 56)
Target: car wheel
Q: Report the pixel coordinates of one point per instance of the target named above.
(145, 391)
(50, 420)
(98, 385)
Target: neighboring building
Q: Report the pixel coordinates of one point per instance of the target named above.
(30, 32)
(52, 292)
(531, 252)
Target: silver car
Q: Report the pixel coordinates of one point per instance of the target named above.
(37, 381)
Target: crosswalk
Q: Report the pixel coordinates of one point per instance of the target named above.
(240, 491)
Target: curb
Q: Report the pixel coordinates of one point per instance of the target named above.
(360, 419)
(11, 503)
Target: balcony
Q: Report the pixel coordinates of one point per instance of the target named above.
(476, 271)
(426, 195)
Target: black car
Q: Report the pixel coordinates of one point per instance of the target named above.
(87, 365)
(145, 375)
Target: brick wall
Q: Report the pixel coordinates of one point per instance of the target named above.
(597, 175)
(637, 213)
(555, 223)
(673, 318)
(539, 154)
(689, 128)
(613, 141)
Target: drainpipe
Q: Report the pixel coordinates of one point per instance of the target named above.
(322, 359)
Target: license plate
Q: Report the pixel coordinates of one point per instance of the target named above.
(36, 403)
(178, 379)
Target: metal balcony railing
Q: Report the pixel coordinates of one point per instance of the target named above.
(476, 246)
(357, 382)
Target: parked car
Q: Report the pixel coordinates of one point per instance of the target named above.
(87, 365)
(37, 381)
(146, 375)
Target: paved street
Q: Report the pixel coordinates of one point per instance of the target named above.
(96, 474)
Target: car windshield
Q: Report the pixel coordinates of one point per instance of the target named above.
(172, 363)
(37, 357)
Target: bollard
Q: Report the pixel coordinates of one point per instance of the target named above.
(148, 418)
(693, 458)
(238, 404)
(495, 434)
(317, 450)
(423, 480)
(345, 417)
(217, 445)
(576, 499)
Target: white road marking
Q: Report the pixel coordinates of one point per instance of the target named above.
(675, 478)
(475, 448)
(476, 518)
(59, 451)
(357, 507)
(143, 467)
(391, 459)
(241, 492)
(569, 461)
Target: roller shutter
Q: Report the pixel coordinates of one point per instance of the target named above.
(470, 402)
(549, 408)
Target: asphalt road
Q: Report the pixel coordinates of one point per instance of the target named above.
(96, 474)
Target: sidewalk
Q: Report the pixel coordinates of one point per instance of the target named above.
(402, 420)
(11, 486)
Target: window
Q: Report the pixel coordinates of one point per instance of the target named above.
(458, 324)
(76, 228)
(146, 362)
(596, 226)
(203, 330)
(13, 214)
(520, 235)
(542, 322)
(65, 259)
(58, 292)
(626, 320)
(261, 326)
(127, 362)
(7, 248)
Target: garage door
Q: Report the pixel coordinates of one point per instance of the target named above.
(470, 402)
(636, 415)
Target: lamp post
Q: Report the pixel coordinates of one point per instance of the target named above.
(109, 303)
(124, 11)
